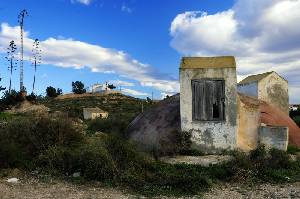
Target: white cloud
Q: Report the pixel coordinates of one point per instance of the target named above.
(264, 35)
(85, 2)
(122, 83)
(125, 8)
(134, 92)
(69, 53)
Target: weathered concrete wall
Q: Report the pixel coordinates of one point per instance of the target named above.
(91, 115)
(250, 89)
(209, 135)
(274, 90)
(249, 122)
(274, 137)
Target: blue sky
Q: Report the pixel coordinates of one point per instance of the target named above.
(138, 44)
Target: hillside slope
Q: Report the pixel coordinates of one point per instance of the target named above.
(118, 105)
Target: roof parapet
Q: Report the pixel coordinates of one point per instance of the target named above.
(208, 62)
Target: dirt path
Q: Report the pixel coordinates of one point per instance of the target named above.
(33, 189)
(258, 192)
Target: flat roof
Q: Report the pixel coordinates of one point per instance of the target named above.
(94, 110)
(208, 62)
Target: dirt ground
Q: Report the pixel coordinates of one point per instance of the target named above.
(53, 189)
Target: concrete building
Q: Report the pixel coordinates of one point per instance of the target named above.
(93, 113)
(103, 89)
(294, 107)
(208, 106)
(269, 87)
(216, 114)
(98, 88)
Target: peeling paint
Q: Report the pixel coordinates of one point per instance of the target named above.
(210, 135)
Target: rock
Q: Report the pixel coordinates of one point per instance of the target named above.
(293, 157)
(76, 175)
(100, 134)
(16, 172)
(204, 161)
(13, 180)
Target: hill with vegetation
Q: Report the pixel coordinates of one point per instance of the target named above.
(117, 105)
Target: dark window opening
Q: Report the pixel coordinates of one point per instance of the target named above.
(208, 100)
(216, 113)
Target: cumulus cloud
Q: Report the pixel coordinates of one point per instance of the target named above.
(69, 53)
(134, 92)
(125, 8)
(85, 2)
(264, 35)
(122, 83)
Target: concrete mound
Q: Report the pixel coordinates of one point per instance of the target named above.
(153, 129)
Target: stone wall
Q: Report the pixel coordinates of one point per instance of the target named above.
(210, 136)
(249, 122)
(274, 137)
(274, 90)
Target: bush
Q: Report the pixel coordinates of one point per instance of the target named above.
(293, 149)
(297, 120)
(23, 138)
(12, 98)
(5, 116)
(271, 166)
(110, 125)
(177, 142)
(31, 98)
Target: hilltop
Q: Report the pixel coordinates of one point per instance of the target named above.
(116, 104)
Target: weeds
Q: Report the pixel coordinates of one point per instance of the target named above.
(56, 147)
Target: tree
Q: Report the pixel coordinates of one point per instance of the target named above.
(36, 58)
(2, 88)
(149, 100)
(78, 87)
(10, 57)
(59, 91)
(111, 86)
(52, 92)
(21, 17)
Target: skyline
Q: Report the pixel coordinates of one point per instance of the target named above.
(139, 45)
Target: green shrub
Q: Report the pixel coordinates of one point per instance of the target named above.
(32, 97)
(297, 120)
(12, 98)
(59, 160)
(110, 125)
(271, 166)
(26, 137)
(293, 149)
(5, 116)
(96, 163)
(177, 142)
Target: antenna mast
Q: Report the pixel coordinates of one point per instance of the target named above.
(21, 17)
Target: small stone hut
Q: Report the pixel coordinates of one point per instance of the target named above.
(269, 87)
(208, 106)
(93, 113)
(215, 113)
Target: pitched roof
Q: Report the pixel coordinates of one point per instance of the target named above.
(94, 110)
(255, 78)
(208, 62)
